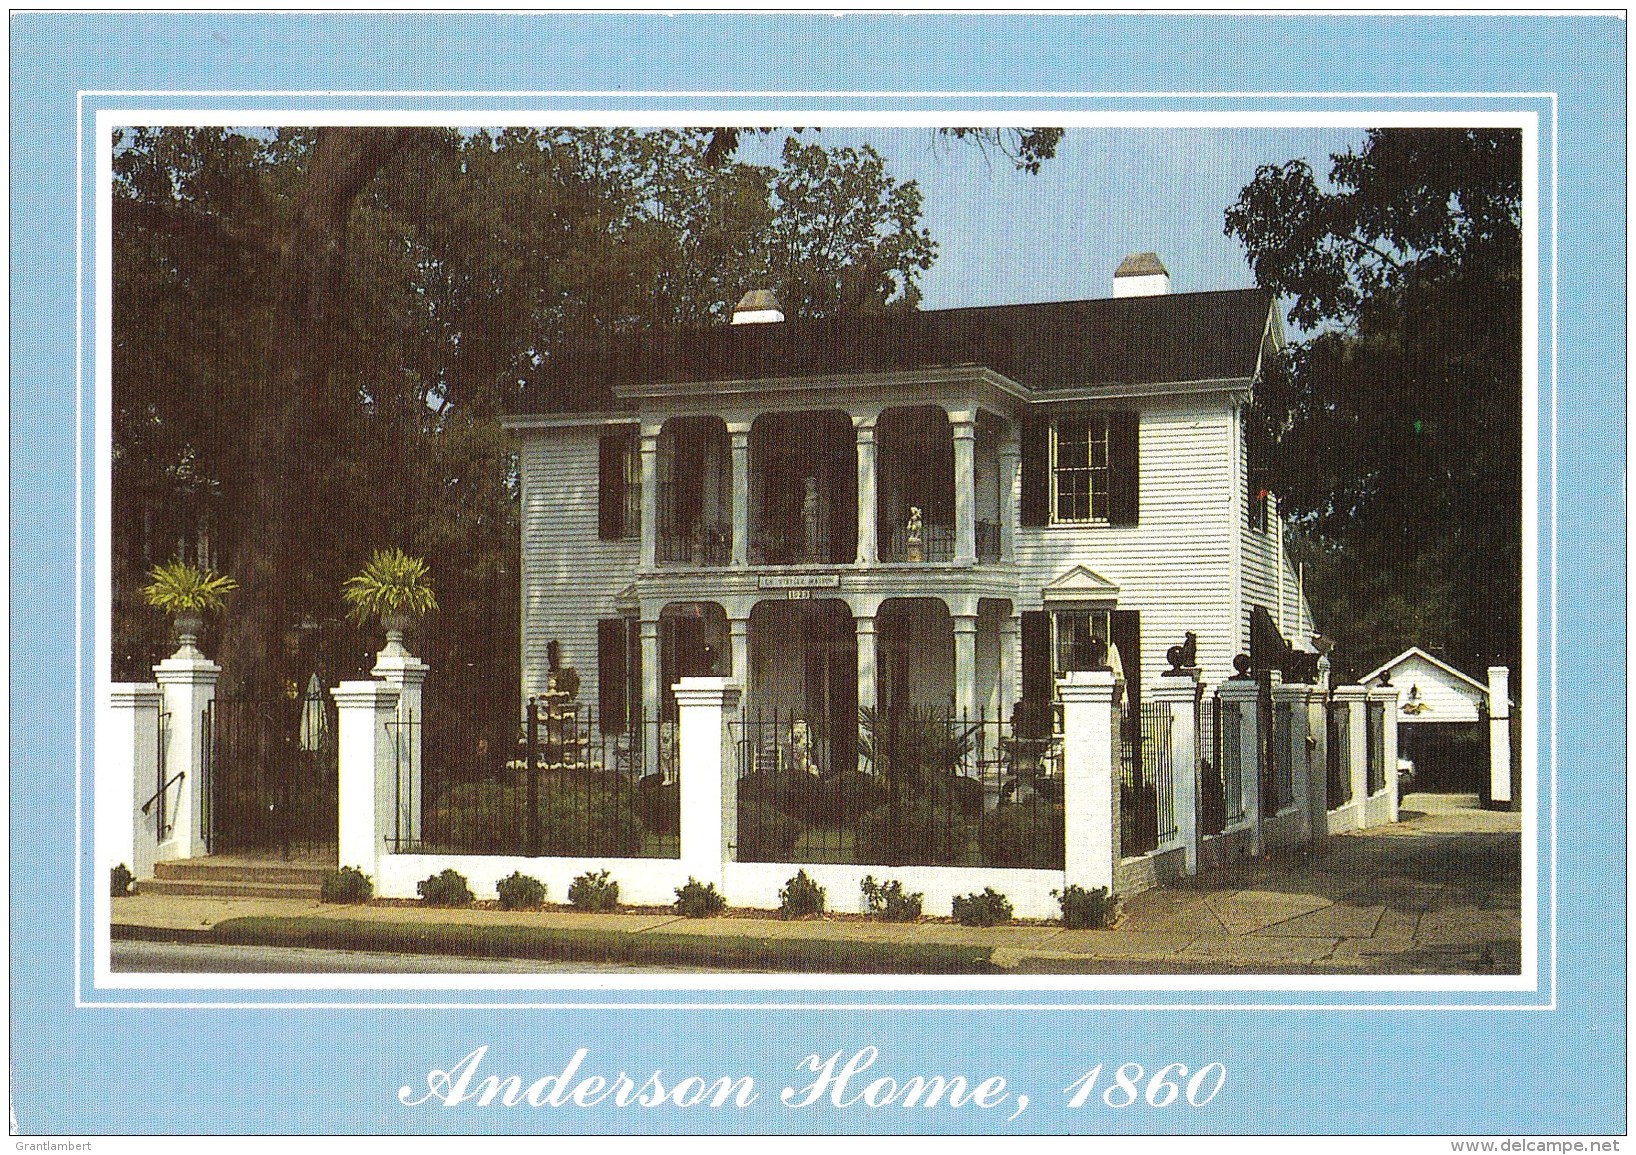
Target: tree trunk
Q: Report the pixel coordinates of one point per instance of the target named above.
(271, 495)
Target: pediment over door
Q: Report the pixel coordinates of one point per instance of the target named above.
(1080, 585)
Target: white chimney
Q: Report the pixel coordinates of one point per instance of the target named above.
(757, 307)
(1141, 275)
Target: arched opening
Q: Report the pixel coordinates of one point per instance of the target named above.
(695, 522)
(915, 469)
(804, 489)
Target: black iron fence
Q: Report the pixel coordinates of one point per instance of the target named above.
(554, 786)
(1281, 758)
(1338, 753)
(1375, 744)
(988, 540)
(910, 787)
(1147, 796)
(270, 769)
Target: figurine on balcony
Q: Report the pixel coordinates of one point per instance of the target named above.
(809, 518)
(801, 748)
(915, 536)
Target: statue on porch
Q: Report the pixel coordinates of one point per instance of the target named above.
(915, 536)
(809, 517)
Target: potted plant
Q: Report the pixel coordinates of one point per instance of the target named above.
(187, 592)
(393, 588)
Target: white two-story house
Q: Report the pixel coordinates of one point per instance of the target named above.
(935, 508)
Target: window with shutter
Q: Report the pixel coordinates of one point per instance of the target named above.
(1085, 471)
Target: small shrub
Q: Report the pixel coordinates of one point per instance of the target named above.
(886, 900)
(520, 892)
(699, 900)
(795, 793)
(766, 834)
(849, 795)
(800, 897)
(349, 884)
(119, 881)
(1087, 909)
(594, 892)
(446, 889)
(1026, 834)
(987, 909)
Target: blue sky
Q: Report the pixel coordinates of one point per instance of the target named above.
(1007, 237)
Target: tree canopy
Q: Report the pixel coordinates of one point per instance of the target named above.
(315, 330)
(1398, 423)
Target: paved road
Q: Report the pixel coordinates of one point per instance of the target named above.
(205, 958)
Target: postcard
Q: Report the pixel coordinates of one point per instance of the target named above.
(732, 574)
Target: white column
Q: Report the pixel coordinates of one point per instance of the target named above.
(1247, 696)
(1387, 696)
(652, 695)
(864, 431)
(965, 666)
(1010, 631)
(1181, 693)
(1088, 778)
(368, 770)
(709, 801)
(868, 658)
(127, 775)
(407, 674)
(187, 687)
(739, 432)
(1010, 464)
(738, 637)
(650, 495)
(1499, 736)
(1317, 744)
(1357, 746)
(1299, 753)
(963, 425)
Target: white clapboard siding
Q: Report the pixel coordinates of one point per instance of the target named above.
(1174, 565)
(570, 577)
(1263, 561)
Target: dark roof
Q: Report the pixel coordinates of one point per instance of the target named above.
(1053, 345)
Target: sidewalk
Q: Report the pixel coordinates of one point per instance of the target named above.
(1438, 893)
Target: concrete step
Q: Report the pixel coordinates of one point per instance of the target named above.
(221, 870)
(228, 888)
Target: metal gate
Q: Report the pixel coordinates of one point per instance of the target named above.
(271, 771)
(1147, 803)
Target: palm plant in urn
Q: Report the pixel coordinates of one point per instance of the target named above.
(187, 592)
(392, 587)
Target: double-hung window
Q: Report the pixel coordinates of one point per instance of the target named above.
(1079, 469)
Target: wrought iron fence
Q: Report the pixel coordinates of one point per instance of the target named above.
(270, 773)
(1375, 745)
(554, 786)
(937, 544)
(1338, 753)
(1230, 747)
(896, 788)
(1281, 756)
(988, 540)
(1212, 792)
(1147, 799)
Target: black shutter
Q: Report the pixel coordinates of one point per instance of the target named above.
(610, 519)
(1123, 467)
(1125, 632)
(1036, 472)
(1036, 665)
(611, 674)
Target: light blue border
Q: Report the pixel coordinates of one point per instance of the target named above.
(245, 1069)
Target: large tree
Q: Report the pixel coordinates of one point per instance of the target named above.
(1397, 431)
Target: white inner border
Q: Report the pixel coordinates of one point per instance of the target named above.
(106, 119)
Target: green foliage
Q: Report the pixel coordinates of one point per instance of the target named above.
(913, 746)
(800, 897)
(794, 792)
(766, 834)
(446, 889)
(695, 899)
(990, 908)
(120, 879)
(179, 587)
(347, 885)
(915, 831)
(593, 815)
(1393, 432)
(1026, 834)
(659, 804)
(886, 900)
(391, 582)
(594, 892)
(1087, 909)
(519, 891)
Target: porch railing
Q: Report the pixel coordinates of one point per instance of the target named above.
(937, 544)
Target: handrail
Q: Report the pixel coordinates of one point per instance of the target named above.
(157, 794)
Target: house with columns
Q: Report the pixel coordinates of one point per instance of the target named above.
(946, 509)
